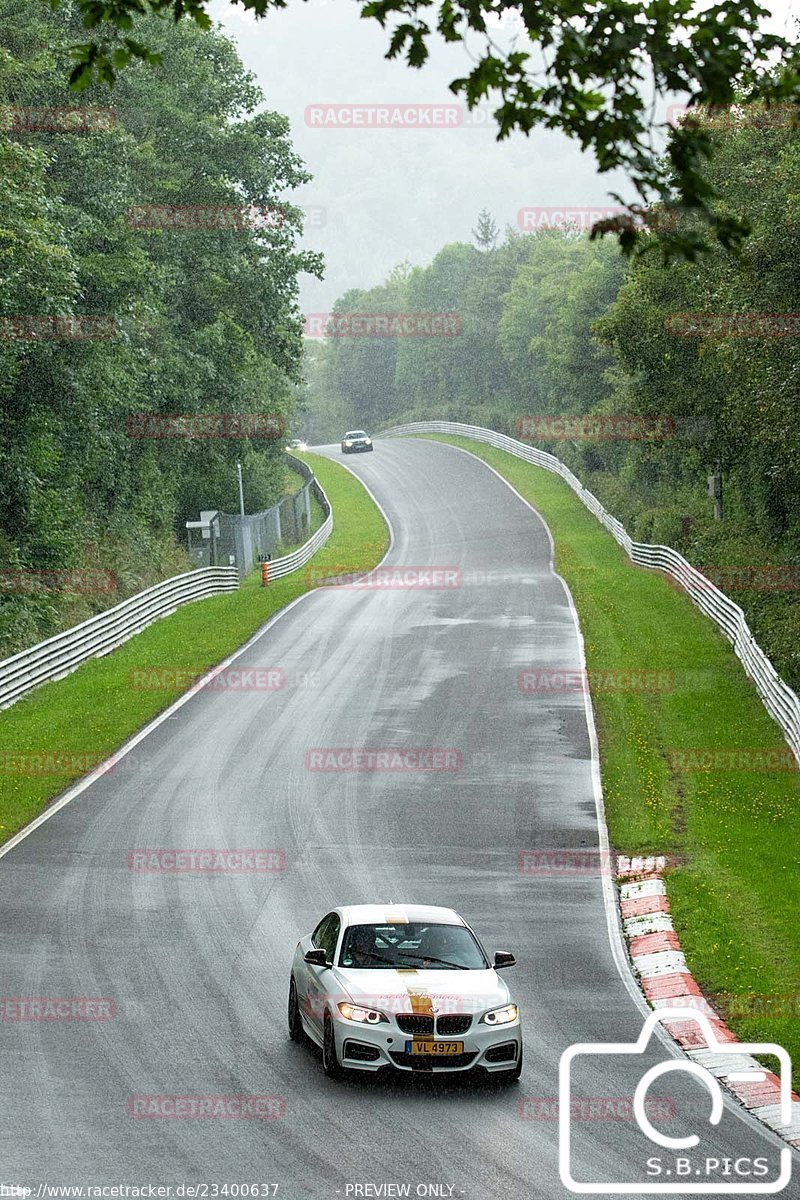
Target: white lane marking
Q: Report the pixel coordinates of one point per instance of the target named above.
(170, 712)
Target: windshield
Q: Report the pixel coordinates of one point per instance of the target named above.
(355, 433)
(414, 944)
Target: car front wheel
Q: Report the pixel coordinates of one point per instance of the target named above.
(330, 1063)
(511, 1076)
(296, 1031)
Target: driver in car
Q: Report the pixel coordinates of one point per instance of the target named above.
(360, 947)
(437, 947)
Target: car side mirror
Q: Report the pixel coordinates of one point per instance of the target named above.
(317, 958)
(502, 958)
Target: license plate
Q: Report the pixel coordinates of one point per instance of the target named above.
(439, 1049)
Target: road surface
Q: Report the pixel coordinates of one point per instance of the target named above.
(196, 964)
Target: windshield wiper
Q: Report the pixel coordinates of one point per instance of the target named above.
(428, 958)
(378, 957)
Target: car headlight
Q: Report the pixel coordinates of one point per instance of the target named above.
(368, 441)
(348, 442)
(365, 1016)
(501, 1016)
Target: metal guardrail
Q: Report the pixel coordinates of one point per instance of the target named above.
(780, 701)
(65, 652)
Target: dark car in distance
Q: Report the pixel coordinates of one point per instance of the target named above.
(355, 441)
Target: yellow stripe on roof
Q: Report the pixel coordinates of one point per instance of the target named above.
(395, 916)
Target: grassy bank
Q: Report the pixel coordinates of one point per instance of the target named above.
(734, 899)
(94, 710)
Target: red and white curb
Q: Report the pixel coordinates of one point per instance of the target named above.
(667, 982)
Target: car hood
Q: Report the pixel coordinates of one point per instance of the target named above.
(424, 991)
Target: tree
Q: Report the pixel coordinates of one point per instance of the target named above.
(487, 233)
(603, 67)
(202, 320)
(555, 325)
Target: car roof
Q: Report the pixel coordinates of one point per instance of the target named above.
(387, 914)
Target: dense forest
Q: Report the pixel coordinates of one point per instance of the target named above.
(125, 302)
(554, 325)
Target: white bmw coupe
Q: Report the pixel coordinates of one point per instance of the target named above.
(408, 987)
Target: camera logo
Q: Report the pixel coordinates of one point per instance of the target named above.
(686, 1172)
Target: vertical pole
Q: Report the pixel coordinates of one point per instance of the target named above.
(241, 490)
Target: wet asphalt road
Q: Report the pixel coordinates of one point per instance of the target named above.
(197, 964)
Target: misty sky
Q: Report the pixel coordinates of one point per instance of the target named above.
(380, 196)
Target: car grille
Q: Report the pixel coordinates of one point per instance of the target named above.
(421, 1025)
(505, 1053)
(427, 1062)
(453, 1023)
(416, 1024)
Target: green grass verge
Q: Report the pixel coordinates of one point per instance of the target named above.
(734, 900)
(94, 710)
